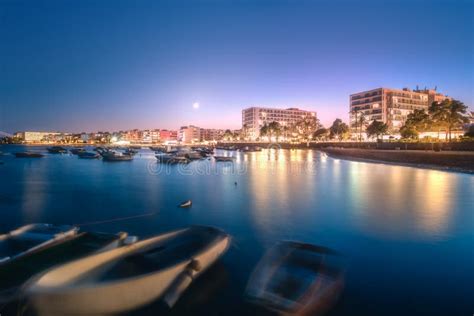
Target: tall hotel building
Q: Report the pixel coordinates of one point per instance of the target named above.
(390, 106)
(255, 117)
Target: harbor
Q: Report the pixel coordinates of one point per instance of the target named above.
(389, 223)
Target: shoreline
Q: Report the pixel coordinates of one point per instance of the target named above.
(453, 161)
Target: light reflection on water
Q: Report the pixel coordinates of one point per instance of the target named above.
(402, 228)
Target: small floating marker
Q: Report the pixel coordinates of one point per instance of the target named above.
(235, 183)
(187, 203)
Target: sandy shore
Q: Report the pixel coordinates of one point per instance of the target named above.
(459, 161)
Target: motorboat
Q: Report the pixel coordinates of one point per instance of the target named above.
(32, 238)
(185, 204)
(130, 151)
(115, 156)
(193, 155)
(172, 159)
(126, 278)
(28, 154)
(297, 279)
(89, 155)
(57, 150)
(77, 151)
(14, 274)
(224, 158)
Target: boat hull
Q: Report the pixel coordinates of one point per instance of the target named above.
(52, 295)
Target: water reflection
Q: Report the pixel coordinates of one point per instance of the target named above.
(374, 213)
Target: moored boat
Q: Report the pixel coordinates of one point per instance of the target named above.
(28, 154)
(172, 159)
(114, 156)
(14, 274)
(224, 158)
(32, 238)
(57, 150)
(89, 155)
(297, 279)
(128, 277)
(77, 151)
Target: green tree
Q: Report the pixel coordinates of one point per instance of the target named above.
(407, 132)
(228, 135)
(456, 116)
(264, 130)
(470, 131)
(450, 114)
(306, 126)
(377, 129)
(419, 120)
(321, 133)
(274, 128)
(338, 129)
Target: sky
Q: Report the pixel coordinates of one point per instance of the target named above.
(87, 65)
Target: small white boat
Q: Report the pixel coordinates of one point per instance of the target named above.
(15, 273)
(32, 238)
(297, 279)
(187, 203)
(126, 278)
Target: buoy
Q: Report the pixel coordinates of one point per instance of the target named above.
(235, 182)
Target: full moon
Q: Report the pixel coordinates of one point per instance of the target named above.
(196, 105)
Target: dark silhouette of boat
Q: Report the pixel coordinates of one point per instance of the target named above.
(57, 150)
(28, 154)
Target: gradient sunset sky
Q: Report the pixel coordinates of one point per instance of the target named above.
(114, 65)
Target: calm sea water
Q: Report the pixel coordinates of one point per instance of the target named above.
(407, 233)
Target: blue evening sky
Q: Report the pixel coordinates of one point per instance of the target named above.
(111, 65)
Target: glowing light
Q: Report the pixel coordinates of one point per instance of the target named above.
(196, 105)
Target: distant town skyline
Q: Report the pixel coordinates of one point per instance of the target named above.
(89, 66)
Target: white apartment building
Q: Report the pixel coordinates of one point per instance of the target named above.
(189, 134)
(36, 137)
(254, 118)
(390, 106)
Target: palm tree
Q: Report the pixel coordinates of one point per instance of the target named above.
(338, 129)
(274, 127)
(439, 114)
(361, 122)
(456, 115)
(449, 114)
(264, 130)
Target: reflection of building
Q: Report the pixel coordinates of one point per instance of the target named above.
(255, 117)
(390, 106)
(37, 137)
(189, 134)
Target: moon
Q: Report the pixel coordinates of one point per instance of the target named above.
(196, 105)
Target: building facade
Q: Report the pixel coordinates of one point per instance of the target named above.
(390, 106)
(189, 134)
(38, 137)
(255, 117)
(211, 134)
(167, 135)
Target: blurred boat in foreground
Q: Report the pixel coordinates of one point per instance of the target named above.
(297, 279)
(128, 277)
(32, 238)
(15, 273)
